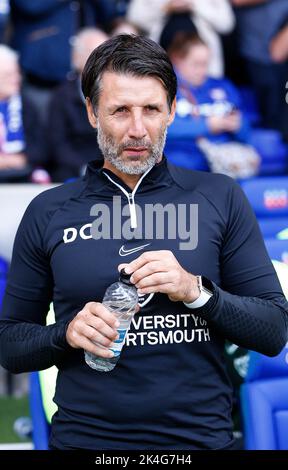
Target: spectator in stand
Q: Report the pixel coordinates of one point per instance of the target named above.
(209, 18)
(209, 127)
(20, 134)
(71, 140)
(259, 21)
(43, 32)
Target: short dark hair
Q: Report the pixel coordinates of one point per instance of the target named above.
(132, 55)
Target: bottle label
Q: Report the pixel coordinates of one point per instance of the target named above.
(118, 344)
(121, 334)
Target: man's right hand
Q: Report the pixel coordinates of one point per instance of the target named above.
(93, 324)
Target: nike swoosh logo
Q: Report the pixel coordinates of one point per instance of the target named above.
(123, 252)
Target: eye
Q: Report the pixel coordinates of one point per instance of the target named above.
(120, 110)
(151, 108)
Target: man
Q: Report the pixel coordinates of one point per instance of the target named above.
(170, 388)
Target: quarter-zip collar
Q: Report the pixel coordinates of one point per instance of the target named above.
(97, 181)
(130, 196)
(102, 180)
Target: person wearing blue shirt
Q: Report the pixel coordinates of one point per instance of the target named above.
(206, 107)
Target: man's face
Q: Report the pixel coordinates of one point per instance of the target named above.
(132, 119)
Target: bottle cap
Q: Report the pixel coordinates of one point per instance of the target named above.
(125, 278)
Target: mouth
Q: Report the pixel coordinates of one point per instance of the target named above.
(135, 151)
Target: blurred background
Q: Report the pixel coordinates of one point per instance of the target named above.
(231, 60)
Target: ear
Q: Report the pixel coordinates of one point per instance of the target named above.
(91, 114)
(172, 112)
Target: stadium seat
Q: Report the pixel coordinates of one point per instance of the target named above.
(277, 249)
(273, 151)
(180, 157)
(273, 227)
(249, 104)
(264, 402)
(263, 395)
(3, 277)
(269, 200)
(268, 196)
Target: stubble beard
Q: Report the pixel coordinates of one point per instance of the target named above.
(112, 152)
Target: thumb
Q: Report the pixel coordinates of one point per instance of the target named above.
(121, 266)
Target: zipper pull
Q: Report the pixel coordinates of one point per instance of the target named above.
(133, 217)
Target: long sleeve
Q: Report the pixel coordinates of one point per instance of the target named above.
(252, 323)
(26, 343)
(25, 347)
(249, 308)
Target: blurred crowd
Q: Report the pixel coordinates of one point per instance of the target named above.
(231, 60)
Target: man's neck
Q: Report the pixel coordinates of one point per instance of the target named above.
(129, 180)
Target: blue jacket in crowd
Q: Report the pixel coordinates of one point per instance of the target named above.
(194, 106)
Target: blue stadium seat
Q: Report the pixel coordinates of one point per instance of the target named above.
(277, 249)
(3, 278)
(271, 227)
(273, 151)
(264, 402)
(273, 168)
(268, 196)
(180, 157)
(269, 143)
(269, 199)
(249, 104)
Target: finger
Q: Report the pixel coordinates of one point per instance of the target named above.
(146, 257)
(83, 341)
(92, 348)
(155, 279)
(99, 310)
(97, 337)
(99, 325)
(168, 288)
(122, 266)
(148, 269)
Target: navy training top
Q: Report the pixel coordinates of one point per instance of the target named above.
(170, 388)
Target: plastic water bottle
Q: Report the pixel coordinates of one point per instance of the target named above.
(121, 299)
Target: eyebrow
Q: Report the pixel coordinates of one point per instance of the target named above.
(122, 105)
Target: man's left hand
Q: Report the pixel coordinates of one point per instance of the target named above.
(159, 271)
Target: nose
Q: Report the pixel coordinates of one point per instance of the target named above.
(137, 129)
